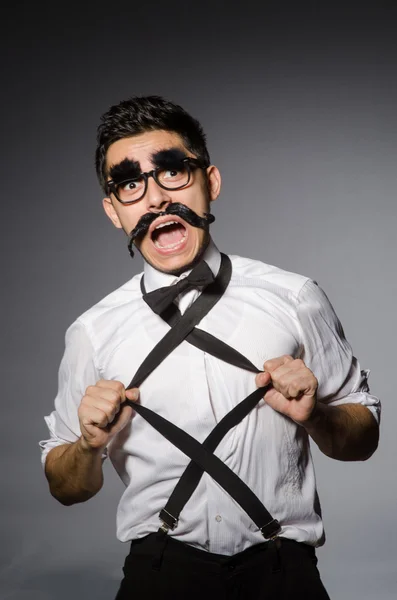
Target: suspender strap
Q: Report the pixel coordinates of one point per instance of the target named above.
(205, 341)
(210, 463)
(183, 327)
(214, 291)
(208, 343)
(193, 472)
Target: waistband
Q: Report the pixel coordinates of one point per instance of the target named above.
(156, 544)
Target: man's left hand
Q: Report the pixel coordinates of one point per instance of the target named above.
(294, 387)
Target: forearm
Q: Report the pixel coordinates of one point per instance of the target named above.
(74, 472)
(346, 432)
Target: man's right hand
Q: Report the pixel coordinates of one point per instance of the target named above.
(102, 413)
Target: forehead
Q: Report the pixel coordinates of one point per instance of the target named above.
(140, 148)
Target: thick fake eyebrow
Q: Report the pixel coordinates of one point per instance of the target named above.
(126, 169)
(170, 158)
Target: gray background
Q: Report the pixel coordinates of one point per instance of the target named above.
(299, 105)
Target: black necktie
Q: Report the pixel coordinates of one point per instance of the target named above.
(159, 300)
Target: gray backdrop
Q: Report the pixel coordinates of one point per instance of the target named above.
(300, 110)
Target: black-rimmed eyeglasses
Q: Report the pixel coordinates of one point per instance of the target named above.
(131, 190)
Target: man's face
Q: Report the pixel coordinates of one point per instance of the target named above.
(169, 248)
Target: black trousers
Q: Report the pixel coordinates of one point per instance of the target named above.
(163, 568)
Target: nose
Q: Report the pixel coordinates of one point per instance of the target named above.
(157, 198)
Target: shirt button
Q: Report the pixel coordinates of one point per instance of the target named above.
(218, 518)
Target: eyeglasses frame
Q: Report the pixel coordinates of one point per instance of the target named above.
(189, 161)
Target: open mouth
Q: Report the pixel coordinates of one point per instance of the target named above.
(168, 235)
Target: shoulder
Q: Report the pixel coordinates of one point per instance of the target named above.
(254, 273)
(111, 311)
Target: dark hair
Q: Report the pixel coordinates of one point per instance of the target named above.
(146, 113)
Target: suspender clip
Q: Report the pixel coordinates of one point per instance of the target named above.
(271, 530)
(169, 521)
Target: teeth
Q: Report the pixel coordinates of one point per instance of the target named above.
(166, 223)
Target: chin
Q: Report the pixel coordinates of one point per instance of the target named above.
(176, 264)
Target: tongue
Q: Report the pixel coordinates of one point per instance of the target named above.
(169, 236)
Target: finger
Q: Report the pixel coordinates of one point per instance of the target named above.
(293, 379)
(123, 418)
(294, 385)
(132, 394)
(275, 363)
(277, 400)
(112, 384)
(109, 407)
(262, 379)
(270, 393)
(95, 416)
(95, 393)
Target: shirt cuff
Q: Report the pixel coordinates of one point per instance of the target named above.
(361, 396)
(55, 440)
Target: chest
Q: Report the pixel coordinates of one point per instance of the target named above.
(257, 324)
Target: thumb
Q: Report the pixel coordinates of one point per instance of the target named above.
(124, 416)
(132, 394)
(263, 378)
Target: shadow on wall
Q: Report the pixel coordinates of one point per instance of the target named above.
(57, 584)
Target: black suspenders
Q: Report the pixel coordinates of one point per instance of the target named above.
(183, 327)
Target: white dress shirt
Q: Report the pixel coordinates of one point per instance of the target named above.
(265, 312)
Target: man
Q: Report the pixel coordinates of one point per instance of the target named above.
(240, 356)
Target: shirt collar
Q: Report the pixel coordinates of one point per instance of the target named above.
(155, 279)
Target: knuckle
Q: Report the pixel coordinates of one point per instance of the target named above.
(112, 408)
(114, 397)
(85, 416)
(277, 378)
(299, 362)
(103, 420)
(85, 401)
(116, 385)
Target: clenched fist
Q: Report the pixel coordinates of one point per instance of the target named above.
(294, 387)
(102, 414)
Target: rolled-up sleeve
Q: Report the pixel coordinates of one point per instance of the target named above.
(327, 353)
(76, 372)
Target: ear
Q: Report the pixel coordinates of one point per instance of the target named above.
(111, 212)
(214, 182)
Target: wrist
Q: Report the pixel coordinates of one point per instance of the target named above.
(315, 419)
(87, 448)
